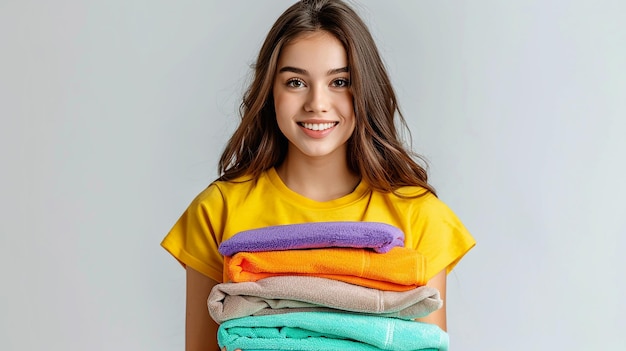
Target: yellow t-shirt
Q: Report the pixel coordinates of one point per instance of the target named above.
(226, 208)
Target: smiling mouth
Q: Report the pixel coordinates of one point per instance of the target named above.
(318, 126)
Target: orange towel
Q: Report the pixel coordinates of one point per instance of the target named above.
(400, 269)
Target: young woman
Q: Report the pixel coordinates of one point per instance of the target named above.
(318, 141)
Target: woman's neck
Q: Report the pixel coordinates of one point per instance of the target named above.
(319, 180)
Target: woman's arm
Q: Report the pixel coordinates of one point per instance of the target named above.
(200, 328)
(438, 317)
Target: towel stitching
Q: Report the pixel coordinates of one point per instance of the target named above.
(389, 335)
(366, 262)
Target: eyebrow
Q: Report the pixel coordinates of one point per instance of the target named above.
(305, 72)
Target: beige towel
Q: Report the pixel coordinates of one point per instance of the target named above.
(284, 294)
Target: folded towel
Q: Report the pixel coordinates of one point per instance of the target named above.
(306, 331)
(400, 269)
(286, 294)
(378, 236)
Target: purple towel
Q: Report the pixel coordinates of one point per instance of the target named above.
(380, 237)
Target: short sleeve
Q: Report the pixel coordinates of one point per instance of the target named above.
(444, 240)
(195, 237)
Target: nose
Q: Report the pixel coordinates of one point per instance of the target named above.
(318, 99)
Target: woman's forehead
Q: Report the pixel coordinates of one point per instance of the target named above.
(314, 52)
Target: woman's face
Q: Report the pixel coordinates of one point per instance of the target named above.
(312, 96)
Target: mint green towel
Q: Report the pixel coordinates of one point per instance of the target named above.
(329, 331)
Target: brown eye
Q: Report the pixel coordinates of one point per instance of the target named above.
(341, 83)
(295, 83)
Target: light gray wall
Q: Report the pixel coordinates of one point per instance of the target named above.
(113, 114)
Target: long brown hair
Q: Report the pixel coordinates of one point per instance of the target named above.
(375, 150)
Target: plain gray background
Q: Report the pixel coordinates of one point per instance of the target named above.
(114, 114)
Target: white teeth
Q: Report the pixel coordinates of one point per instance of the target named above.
(318, 126)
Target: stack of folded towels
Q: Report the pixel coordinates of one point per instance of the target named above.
(324, 286)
